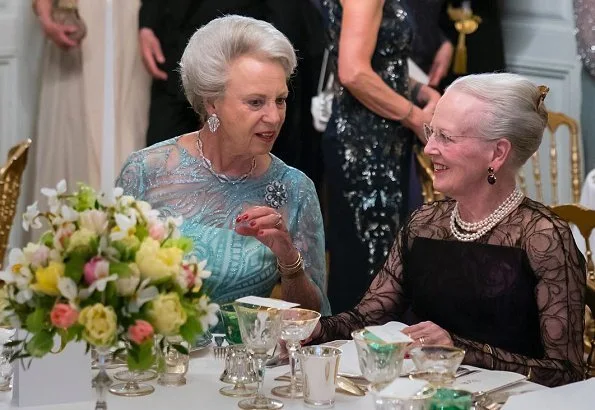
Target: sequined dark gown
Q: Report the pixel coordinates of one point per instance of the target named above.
(519, 289)
(367, 161)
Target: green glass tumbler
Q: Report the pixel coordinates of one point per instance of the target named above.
(231, 325)
(447, 399)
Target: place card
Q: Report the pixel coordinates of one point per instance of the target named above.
(390, 332)
(267, 302)
(402, 388)
(488, 381)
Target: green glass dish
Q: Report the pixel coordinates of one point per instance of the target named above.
(447, 399)
(231, 325)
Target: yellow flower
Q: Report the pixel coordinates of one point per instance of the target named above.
(100, 324)
(155, 262)
(81, 240)
(166, 314)
(47, 278)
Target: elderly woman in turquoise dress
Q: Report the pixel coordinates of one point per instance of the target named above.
(256, 220)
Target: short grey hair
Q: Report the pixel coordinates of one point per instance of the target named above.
(514, 110)
(206, 59)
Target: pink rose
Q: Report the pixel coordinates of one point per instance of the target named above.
(63, 315)
(95, 269)
(157, 231)
(140, 332)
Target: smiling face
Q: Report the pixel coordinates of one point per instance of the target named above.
(460, 157)
(252, 110)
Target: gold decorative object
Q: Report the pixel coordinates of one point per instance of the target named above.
(584, 220)
(10, 187)
(555, 120)
(425, 171)
(465, 23)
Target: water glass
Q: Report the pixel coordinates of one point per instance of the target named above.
(172, 364)
(320, 365)
(380, 362)
(420, 401)
(6, 371)
(230, 323)
(238, 371)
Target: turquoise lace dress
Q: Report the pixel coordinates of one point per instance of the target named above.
(177, 183)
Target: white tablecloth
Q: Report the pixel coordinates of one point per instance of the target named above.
(202, 392)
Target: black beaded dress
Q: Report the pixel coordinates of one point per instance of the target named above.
(367, 160)
(519, 289)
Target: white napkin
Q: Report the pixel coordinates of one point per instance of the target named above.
(390, 332)
(403, 388)
(267, 302)
(487, 381)
(576, 396)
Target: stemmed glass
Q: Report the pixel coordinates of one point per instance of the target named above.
(260, 328)
(379, 361)
(298, 324)
(132, 387)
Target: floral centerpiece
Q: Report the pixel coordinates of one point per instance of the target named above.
(109, 270)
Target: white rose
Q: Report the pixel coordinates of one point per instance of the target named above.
(94, 220)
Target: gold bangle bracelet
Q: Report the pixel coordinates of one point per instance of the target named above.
(291, 270)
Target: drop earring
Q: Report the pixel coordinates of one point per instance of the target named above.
(213, 123)
(491, 176)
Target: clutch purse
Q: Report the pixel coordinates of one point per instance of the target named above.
(66, 12)
(321, 106)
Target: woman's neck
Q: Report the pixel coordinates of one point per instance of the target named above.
(479, 205)
(222, 157)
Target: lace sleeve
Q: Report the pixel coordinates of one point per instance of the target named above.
(132, 178)
(560, 272)
(384, 300)
(308, 238)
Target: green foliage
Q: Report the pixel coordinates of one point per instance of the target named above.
(40, 344)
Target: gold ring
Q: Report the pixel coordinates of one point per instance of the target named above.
(278, 224)
(422, 340)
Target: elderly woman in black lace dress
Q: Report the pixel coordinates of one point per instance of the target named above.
(487, 270)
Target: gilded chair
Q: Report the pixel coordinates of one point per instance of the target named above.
(10, 187)
(555, 121)
(425, 171)
(584, 220)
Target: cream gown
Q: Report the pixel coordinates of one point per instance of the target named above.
(68, 142)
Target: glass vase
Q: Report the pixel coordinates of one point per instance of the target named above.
(102, 381)
(173, 364)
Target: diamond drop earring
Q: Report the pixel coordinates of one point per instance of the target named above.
(213, 122)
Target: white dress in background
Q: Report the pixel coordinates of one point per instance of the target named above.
(68, 141)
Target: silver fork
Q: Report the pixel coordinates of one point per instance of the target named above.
(219, 350)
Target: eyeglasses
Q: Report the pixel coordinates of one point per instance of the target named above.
(440, 137)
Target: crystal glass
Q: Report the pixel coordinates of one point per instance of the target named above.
(140, 376)
(380, 362)
(239, 371)
(436, 364)
(230, 323)
(320, 365)
(102, 381)
(6, 367)
(132, 386)
(298, 324)
(422, 400)
(172, 364)
(260, 328)
(446, 399)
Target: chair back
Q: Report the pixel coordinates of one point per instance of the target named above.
(10, 187)
(555, 121)
(425, 172)
(584, 220)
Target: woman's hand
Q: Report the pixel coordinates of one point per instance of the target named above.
(268, 226)
(441, 63)
(428, 333)
(59, 33)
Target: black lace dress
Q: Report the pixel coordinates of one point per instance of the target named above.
(366, 160)
(518, 289)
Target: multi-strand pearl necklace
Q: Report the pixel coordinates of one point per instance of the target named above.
(222, 177)
(472, 231)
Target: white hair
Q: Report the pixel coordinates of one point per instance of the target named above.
(514, 110)
(211, 49)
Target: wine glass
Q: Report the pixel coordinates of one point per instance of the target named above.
(298, 324)
(379, 361)
(260, 328)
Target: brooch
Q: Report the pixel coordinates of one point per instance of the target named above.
(275, 195)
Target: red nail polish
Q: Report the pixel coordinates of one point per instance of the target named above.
(253, 223)
(238, 219)
(260, 233)
(245, 217)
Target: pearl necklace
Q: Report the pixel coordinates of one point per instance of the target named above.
(222, 177)
(471, 231)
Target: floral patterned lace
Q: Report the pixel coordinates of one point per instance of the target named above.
(518, 289)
